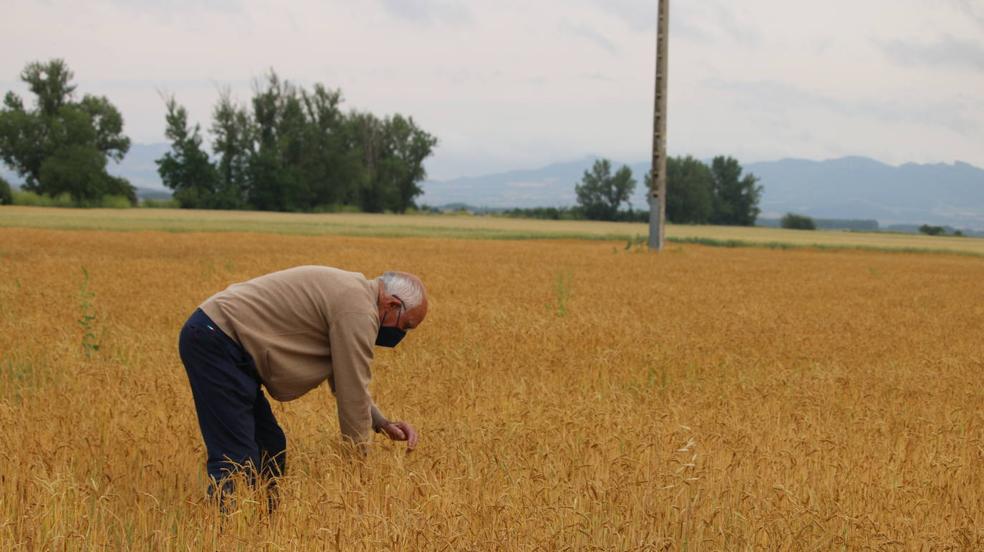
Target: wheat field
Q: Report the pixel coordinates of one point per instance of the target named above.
(571, 395)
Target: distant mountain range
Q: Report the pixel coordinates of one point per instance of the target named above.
(140, 167)
(845, 188)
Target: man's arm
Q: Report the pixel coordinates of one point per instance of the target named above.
(357, 414)
(351, 337)
(378, 420)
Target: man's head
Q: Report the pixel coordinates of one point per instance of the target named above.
(402, 304)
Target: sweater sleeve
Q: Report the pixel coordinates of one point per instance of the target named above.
(378, 419)
(351, 339)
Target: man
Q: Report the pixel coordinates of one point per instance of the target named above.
(289, 331)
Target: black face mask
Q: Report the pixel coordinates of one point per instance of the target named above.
(390, 336)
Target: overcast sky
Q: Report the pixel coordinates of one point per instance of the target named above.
(517, 84)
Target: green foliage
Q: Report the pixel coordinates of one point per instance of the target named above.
(78, 170)
(6, 192)
(292, 149)
(160, 203)
(854, 225)
(115, 202)
(64, 199)
(932, 230)
(637, 243)
(793, 221)
(336, 208)
(736, 197)
(186, 169)
(408, 147)
(689, 190)
(546, 213)
(32, 199)
(392, 151)
(600, 194)
(61, 145)
(562, 292)
(717, 194)
(232, 132)
(87, 320)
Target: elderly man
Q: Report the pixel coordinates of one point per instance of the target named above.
(289, 331)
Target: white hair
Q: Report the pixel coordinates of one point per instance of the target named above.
(410, 290)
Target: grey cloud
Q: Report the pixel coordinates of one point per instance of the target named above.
(639, 15)
(947, 51)
(739, 31)
(597, 77)
(593, 36)
(776, 98)
(971, 9)
(428, 11)
(178, 6)
(692, 20)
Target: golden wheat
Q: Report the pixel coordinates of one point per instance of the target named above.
(570, 395)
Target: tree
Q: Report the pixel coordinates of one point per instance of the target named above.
(186, 169)
(277, 180)
(600, 194)
(291, 149)
(689, 191)
(331, 159)
(51, 83)
(793, 221)
(736, 197)
(232, 130)
(367, 131)
(408, 147)
(932, 230)
(62, 145)
(6, 195)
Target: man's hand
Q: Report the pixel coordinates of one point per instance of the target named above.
(401, 431)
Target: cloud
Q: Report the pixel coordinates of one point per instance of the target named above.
(176, 10)
(741, 32)
(778, 99)
(428, 11)
(971, 9)
(639, 15)
(946, 51)
(591, 35)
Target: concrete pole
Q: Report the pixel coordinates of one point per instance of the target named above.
(657, 190)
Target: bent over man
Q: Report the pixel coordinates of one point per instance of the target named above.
(289, 331)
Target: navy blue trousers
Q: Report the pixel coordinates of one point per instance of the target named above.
(237, 424)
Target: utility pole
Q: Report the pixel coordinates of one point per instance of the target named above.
(657, 187)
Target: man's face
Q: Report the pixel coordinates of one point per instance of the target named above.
(395, 319)
(397, 315)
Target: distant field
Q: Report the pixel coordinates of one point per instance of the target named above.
(457, 226)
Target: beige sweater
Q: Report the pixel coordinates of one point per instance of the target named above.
(303, 326)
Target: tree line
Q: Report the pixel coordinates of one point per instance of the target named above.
(696, 193)
(293, 149)
(288, 149)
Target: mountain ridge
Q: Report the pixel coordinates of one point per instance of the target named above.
(852, 187)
